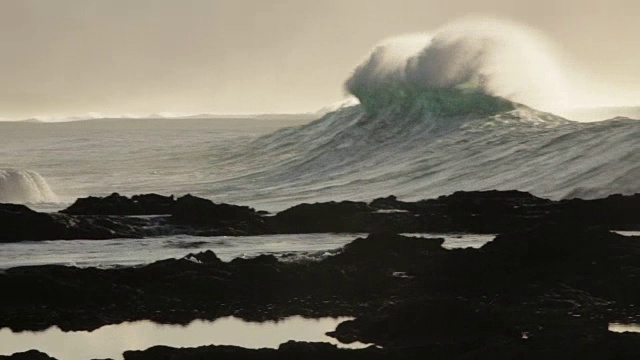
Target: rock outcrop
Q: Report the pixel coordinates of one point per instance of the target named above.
(546, 287)
(116, 204)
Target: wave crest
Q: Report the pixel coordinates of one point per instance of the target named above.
(494, 58)
(438, 102)
(24, 186)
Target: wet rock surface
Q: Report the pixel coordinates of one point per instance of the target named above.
(501, 211)
(206, 215)
(546, 287)
(19, 223)
(522, 293)
(117, 216)
(485, 212)
(116, 204)
(28, 355)
(345, 216)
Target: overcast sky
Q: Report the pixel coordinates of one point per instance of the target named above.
(67, 57)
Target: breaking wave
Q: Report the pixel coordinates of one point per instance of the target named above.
(495, 58)
(24, 186)
(441, 113)
(436, 114)
(430, 142)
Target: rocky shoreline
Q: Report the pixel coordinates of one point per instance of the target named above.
(487, 212)
(547, 287)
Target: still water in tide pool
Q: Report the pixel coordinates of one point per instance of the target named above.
(624, 327)
(112, 340)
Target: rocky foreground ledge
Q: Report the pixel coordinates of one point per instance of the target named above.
(546, 287)
(117, 216)
(544, 292)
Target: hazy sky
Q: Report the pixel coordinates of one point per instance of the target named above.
(68, 57)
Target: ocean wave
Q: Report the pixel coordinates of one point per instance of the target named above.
(24, 186)
(435, 114)
(416, 153)
(440, 113)
(476, 56)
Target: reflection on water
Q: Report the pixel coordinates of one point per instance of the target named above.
(622, 328)
(112, 340)
(628, 233)
(458, 241)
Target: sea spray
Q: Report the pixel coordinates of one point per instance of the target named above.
(24, 186)
(496, 58)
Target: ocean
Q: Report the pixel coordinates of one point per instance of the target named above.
(345, 154)
(271, 164)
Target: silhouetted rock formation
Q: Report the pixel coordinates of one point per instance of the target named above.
(289, 350)
(116, 204)
(546, 287)
(342, 216)
(28, 355)
(19, 223)
(486, 212)
(202, 213)
(546, 291)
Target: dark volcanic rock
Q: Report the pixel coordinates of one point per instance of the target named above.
(474, 212)
(507, 211)
(28, 355)
(427, 321)
(546, 287)
(469, 201)
(46, 295)
(206, 257)
(189, 215)
(154, 204)
(597, 264)
(289, 350)
(199, 212)
(605, 264)
(390, 203)
(614, 212)
(548, 291)
(18, 222)
(595, 346)
(386, 248)
(480, 211)
(116, 204)
(345, 216)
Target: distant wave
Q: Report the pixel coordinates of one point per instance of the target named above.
(24, 186)
(603, 113)
(166, 116)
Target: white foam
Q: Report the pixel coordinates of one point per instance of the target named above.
(497, 57)
(24, 186)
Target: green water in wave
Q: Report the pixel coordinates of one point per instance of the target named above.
(443, 102)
